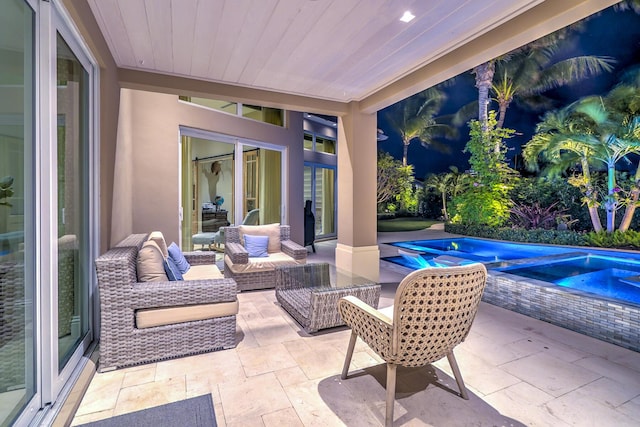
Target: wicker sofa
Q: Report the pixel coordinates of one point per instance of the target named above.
(208, 324)
(259, 273)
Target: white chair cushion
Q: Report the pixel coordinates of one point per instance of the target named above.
(148, 318)
(202, 272)
(262, 264)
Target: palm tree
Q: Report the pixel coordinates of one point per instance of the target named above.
(529, 71)
(415, 118)
(594, 130)
(440, 183)
(629, 5)
(448, 184)
(484, 80)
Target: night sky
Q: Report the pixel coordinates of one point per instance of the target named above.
(609, 33)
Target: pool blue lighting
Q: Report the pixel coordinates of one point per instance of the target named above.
(611, 274)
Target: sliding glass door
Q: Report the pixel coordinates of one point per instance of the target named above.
(48, 203)
(223, 179)
(320, 188)
(17, 194)
(207, 190)
(73, 201)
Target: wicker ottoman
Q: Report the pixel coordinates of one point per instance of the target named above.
(307, 294)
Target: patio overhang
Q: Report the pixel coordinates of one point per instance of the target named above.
(382, 63)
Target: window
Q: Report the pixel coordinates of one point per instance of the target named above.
(225, 106)
(223, 179)
(274, 116)
(319, 143)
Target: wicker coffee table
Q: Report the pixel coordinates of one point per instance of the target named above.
(307, 293)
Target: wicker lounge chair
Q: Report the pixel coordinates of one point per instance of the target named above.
(123, 343)
(259, 273)
(432, 313)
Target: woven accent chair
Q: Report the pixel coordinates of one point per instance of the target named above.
(259, 273)
(432, 313)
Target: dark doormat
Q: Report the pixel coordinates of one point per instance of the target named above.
(194, 412)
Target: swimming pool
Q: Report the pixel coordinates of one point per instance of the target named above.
(602, 275)
(592, 291)
(478, 249)
(606, 273)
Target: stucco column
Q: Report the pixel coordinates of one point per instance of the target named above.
(122, 204)
(357, 248)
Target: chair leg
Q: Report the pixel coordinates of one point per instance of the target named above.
(456, 373)
(347, 360)
(391, 394)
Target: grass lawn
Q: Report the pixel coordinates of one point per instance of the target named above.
(405, 224)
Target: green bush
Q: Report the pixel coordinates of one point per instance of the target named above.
(617, 239)
(546, 192)
(554, 237)
(482, 206)
(386, 215)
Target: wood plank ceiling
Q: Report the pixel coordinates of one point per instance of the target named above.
(339, 50)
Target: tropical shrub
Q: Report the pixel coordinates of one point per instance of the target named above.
(394, 183)
(430, 205)
(482, 206)
(486, 200)
(554, 237)
(546, 191)
(617, 239)
(535, 216)
(594, 132)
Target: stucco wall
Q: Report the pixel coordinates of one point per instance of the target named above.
(153, 141)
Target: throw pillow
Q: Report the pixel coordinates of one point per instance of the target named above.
(150, 263)
(157, 237)
(172, 270)
(178, 257)
(256, 245)
(270, 230)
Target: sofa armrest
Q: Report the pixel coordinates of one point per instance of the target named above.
(170, 294)
(237, 253)
(293, 249)
(200, 258)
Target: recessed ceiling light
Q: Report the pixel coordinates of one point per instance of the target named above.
(407, 17)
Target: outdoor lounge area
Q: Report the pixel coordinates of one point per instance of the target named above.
(517, 370)
(195, 119)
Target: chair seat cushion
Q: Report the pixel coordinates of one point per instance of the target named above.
(203, 272)
(149, 318)
(203, 238)
(262, 264)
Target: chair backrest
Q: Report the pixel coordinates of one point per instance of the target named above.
(433, 312)
(252, 218)
(232, 233)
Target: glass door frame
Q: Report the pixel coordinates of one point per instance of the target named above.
(314, 167)
(239, 144)
(54, 20)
